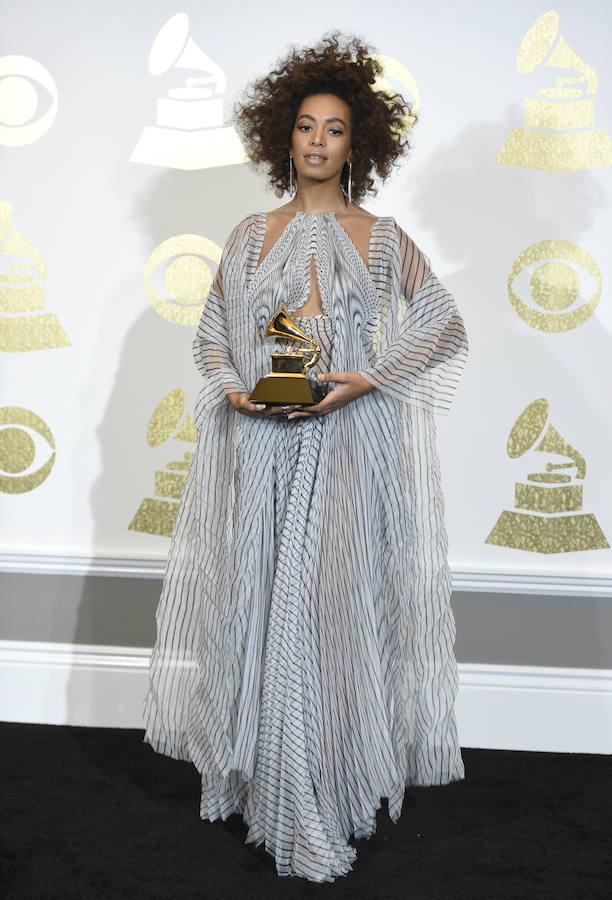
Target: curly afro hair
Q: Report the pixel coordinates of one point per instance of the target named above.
(265, 115)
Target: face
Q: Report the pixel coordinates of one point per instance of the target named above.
(322, 126)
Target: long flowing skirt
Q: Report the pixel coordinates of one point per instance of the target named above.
(297, 712)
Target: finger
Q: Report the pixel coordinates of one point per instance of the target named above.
(318, 409)
(247, 405)
(280, 410)
(321, 413)
(322, 406)
(334, 376)
(303, 409)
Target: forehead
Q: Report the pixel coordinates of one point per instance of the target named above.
(324, 106)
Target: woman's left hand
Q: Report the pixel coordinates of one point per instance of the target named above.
(349, 386)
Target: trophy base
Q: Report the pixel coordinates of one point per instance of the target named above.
(280, 388)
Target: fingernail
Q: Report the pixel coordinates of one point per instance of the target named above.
(260, 405)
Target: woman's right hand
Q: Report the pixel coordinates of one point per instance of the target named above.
(241, 403)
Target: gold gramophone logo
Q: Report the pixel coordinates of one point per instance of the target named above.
(23, 323)
(559, 133)
(189, 132)
(187, 277)
(19, 101)
(18, 450)
(156, 515)
(554, 285)
(547, 517)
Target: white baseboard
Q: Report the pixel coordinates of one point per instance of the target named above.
(498, 580)
(498, 707)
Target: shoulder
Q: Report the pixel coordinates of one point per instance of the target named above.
(407, 242)
(385, 228)
(400, 247)
(280, 214)
(243, 227)
(405, 239)
(238, 238)
(358, 217)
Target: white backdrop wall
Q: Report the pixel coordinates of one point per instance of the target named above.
(84, 219)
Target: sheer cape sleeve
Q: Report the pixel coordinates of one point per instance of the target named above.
(423, 344)
(211, 344)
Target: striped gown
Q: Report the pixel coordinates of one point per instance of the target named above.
(304, 655)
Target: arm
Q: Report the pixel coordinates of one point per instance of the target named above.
(211, 348)
(424, 350)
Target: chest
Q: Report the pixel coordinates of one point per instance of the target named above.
(311, 256)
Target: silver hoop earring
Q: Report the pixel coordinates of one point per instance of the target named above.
(350, 183)
(291, 186)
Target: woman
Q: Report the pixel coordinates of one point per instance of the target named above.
(304, 656)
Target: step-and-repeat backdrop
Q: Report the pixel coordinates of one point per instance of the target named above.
(121, 175)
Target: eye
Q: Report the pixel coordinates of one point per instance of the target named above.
(334, 130)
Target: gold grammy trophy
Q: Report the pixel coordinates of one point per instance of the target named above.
(287, 383)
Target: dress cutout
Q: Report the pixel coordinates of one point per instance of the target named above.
(304, 655)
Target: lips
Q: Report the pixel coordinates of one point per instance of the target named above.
(315, 160)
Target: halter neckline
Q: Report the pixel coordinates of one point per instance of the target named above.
(301, 212)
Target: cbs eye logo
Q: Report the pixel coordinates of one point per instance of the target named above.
(555, 286)
(181, 265)
(393, 68)
(20, 101)
(18, 450)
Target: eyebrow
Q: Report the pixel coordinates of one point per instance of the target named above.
(331, 118)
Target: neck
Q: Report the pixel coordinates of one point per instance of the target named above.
(315, 202)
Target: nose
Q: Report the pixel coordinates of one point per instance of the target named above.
(317, 140)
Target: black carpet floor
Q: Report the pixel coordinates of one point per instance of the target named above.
(96, 813)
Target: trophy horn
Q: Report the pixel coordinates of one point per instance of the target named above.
(282, 325)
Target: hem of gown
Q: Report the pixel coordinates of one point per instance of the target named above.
(229, 792)
(345, 854)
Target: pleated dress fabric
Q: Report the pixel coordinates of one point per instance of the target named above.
(304, 655)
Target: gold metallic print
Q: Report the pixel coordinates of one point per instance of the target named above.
(393, 68)
(156, 515)
(187, 277)
(22, 294)
(546, 517)
(555, 286)
(18, 450)
(559, 133)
